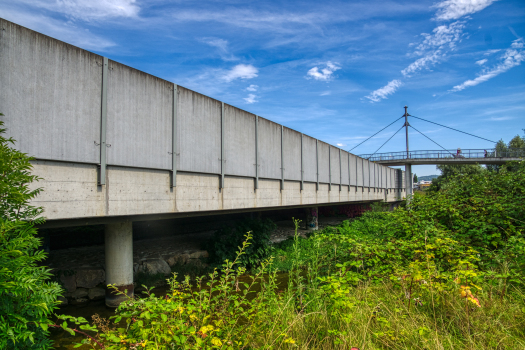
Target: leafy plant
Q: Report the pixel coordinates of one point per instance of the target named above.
(225, 242)
(27, 297)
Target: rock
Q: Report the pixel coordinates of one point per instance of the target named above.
(181, 259)
(90, 277)
(79, 293)
(96, 293)
(79, 301)
(63, 301)
(199, 254)
(69, 282)
(155, 266)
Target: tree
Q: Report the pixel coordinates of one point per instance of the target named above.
(448, 171)
(415, 178)
(27, 297)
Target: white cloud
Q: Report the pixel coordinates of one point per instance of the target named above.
(325, 74)
(241, 71)
(490, 52)
(88, 10)
(454, 9)
(442, 37)
(65, 31)
(481, 62)
(422, 63)
(250, 99)
(252, 88)
(340, 144)
(222, 47)
(386, 90)
(326, 93)
(512, 57)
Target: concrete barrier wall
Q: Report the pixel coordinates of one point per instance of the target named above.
(52, 101)
(198, 132)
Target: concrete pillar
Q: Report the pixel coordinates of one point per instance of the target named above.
(312, 219)
(119, 261)
(408, 180)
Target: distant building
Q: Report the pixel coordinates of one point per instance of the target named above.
(421, 185)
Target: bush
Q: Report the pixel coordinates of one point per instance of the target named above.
(225, 242)
(27, 297)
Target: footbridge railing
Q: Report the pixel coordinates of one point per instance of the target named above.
(443, 154)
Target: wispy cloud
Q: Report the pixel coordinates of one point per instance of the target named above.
(481, 62)
(250, 99)
(252, 88)
(89, 10)
(66, 31)
(241, 71)
(323, 74)
(326, 93)
(435, 47)
(340, 144)
(222, 48)
(512, 57)
(453, 9)
(386, 90)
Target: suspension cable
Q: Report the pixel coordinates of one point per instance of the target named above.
(377, 133)
(385, 142)
(431, 140)
(479, 137)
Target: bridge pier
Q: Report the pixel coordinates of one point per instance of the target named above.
(408, 181)
(312, 219)
(119, 261)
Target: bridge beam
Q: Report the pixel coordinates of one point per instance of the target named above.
(119, 261)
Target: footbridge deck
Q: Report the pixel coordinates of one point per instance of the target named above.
(467, 156)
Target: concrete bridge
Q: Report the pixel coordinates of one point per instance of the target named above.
(115, 145)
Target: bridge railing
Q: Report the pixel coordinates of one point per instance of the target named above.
(441, 154)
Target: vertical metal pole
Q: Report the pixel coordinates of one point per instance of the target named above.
(406, 128)
(302, 163)
(363, 174)
(369, 176)
(282, 158)
(256, 152)
(349, 177)
(340, 171)
(356, 174)
(329, 169)
(317, 161)
(221, 184)
(103, 122)
(174, 136)
(375, 180)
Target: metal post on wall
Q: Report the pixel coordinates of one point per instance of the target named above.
(356, 173)
(174, 136)
(368, 176)
(317, 162)
(340, 171)
(329, 169)
(302, 163)
(282, 157)
(103, 122)
(349, 177)
(221, 184)
(256, 185)
(363, 174)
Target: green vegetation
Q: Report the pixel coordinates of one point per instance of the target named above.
(225, 242)
(448, 273)
(27, 297)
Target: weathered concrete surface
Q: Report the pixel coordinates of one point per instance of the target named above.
(119, 261)
(71, 191)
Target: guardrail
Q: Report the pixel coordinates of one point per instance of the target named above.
(440, 154)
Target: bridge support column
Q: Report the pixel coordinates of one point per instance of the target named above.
(408, 181)
(119, 261)
(312, 219)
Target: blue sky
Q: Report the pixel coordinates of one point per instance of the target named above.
(336, 70)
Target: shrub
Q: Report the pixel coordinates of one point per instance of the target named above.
(225, 242)
(27, 297)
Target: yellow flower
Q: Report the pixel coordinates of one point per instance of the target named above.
(289, 341)
(216, 342)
